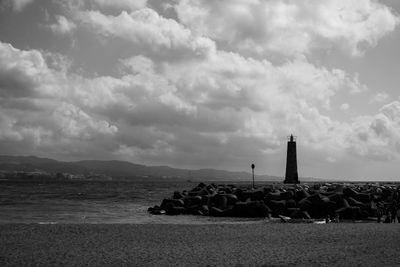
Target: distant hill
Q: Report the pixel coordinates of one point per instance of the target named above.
(123, 169)
(32, 163)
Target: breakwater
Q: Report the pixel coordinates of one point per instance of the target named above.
(327, 200)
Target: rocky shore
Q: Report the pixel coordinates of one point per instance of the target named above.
(330, 201)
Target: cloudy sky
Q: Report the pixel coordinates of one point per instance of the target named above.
(204, 84)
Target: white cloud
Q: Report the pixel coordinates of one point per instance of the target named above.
(128, 5)
(331, 159)
(149, 31)
(75, 122)
(289, 27)
(17, 5)
(223, 101)
(6, 129)
(377, 137)
(379, 97)
(63, 25)
(20, 72)
(37, 112)
(344, 106)
(105, 6)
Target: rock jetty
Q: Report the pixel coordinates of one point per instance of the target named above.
(327, 200)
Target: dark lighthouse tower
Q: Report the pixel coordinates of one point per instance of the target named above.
(291, 176)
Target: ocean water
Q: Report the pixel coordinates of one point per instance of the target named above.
(94, 202)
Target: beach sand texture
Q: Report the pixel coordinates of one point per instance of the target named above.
(259, 244)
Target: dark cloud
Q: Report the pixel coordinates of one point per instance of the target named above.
(15, 83)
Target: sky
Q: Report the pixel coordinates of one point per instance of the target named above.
(205, 84)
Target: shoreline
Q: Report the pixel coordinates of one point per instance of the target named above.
(148, 219)
(241, 244)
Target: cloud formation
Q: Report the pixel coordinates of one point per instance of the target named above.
(289, 27)
(121, 4)
(16, 5)
(379, 97)
(377, 136)
(36, 106)
(146, 29)
(197, 84)
(63, 25)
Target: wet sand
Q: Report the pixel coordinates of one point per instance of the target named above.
(261, 244)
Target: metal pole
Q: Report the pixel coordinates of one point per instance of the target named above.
(252, 170)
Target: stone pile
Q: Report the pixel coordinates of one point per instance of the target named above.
(347, 201)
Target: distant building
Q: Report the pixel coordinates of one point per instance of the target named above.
(291, 176)
(76, 177)
(96, 176)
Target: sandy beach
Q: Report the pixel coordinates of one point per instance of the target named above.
(259, 244)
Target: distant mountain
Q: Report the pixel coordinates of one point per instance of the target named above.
(32, 163)
(123, 169)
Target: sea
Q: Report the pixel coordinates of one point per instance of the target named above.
(95, 202)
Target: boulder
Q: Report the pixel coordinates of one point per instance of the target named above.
(214, 211)
(220, 201)
(300, 194)
(257, 195)
(350, 213)
(251, 209)
(170, 209)
(286, 195)
(192, 200)
(305, 204)
(273, 196)
(315, 199)
(295, 213)
(336, 197)
(232, 199)
(343, 203)
(291, 203)
(174, 202)
(349, 192)
(177, 195)
(363, 197)
(353, 202)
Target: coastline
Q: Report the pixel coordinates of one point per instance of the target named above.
(240, 244)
